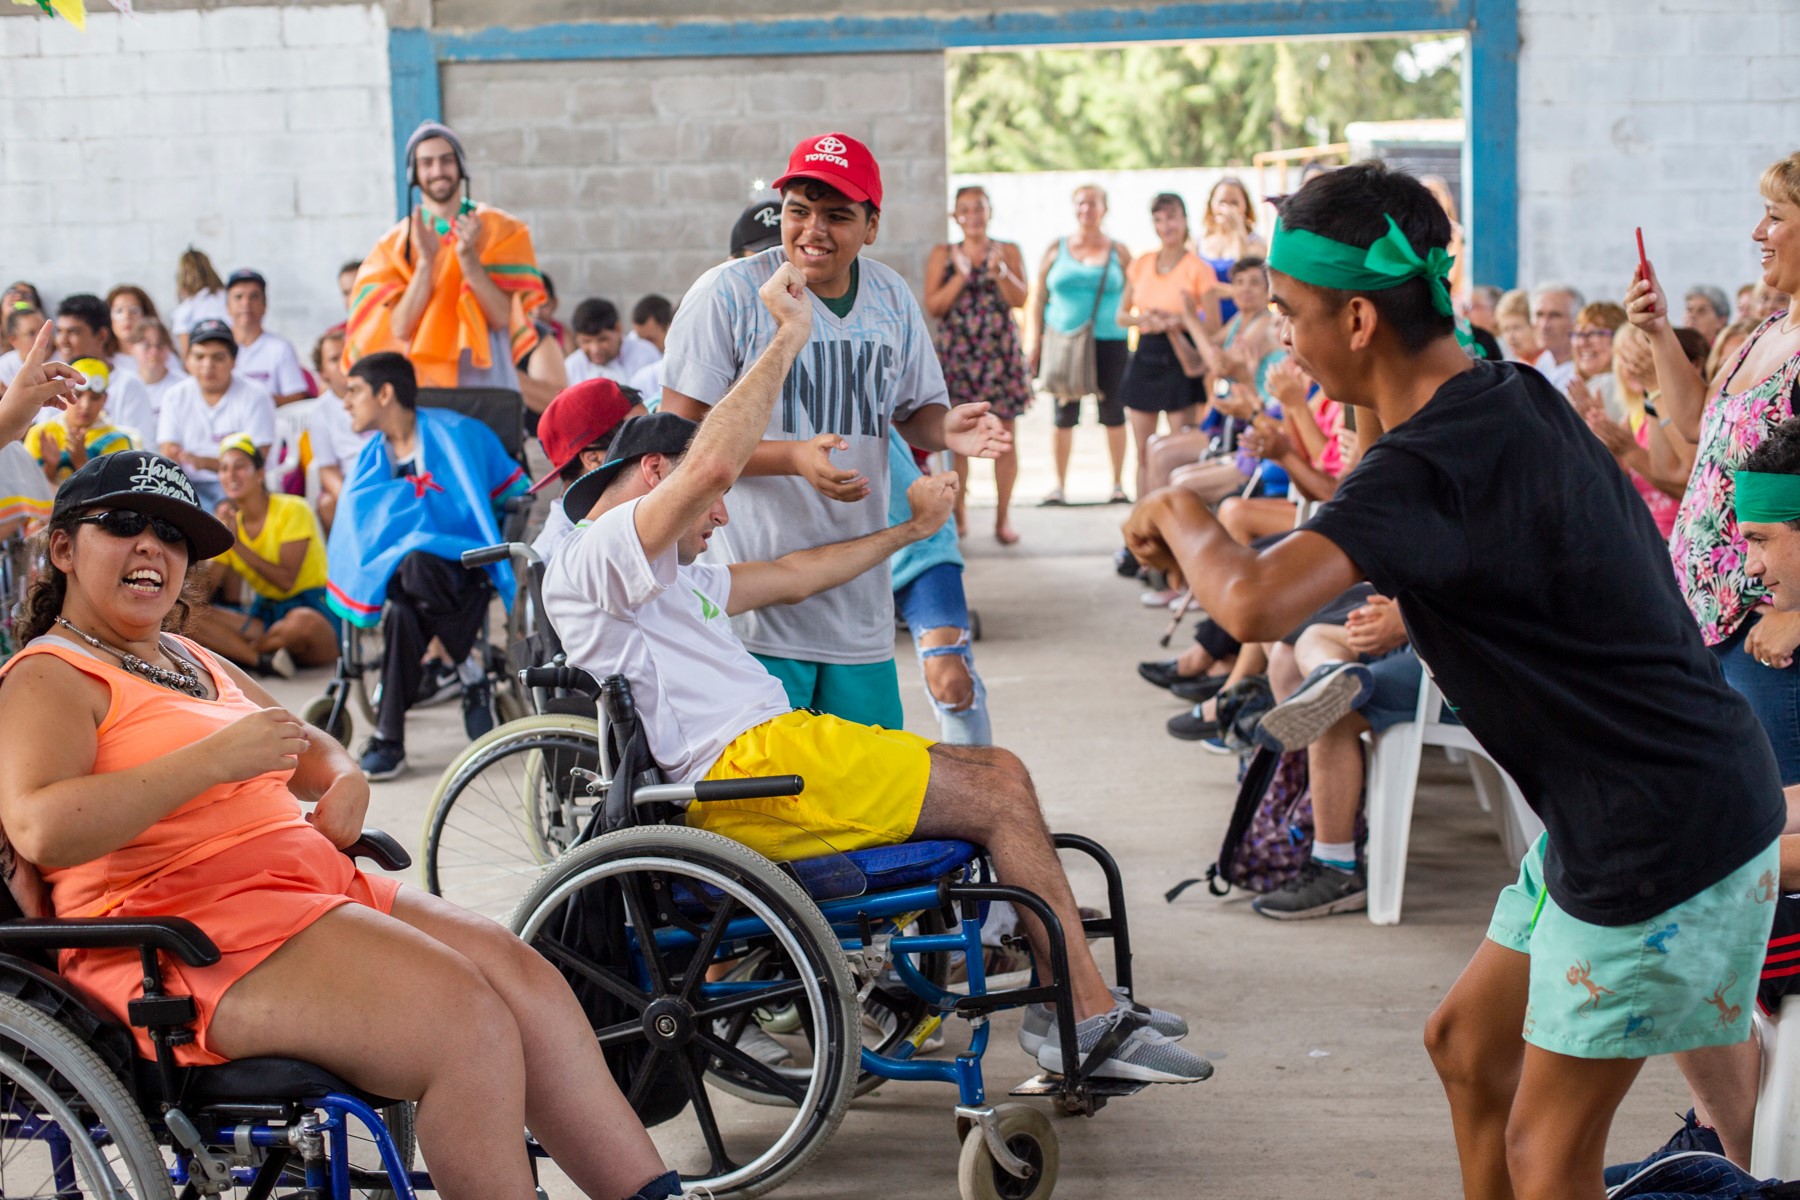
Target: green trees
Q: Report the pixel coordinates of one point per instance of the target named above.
(1198, 104)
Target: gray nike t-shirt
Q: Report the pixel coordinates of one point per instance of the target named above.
(855, 376)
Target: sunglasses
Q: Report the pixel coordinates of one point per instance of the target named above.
(127, 523)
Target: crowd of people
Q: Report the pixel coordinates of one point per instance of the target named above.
(1351, 459)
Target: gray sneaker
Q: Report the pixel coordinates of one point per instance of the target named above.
(1039, 1025)
(1329, 693)
(1143, 1054)
(1317, 891)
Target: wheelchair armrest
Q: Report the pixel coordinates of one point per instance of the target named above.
(759, 787)
(173, 935)
(560, 679)
(381, 849)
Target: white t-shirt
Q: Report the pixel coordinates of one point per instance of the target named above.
(1557, 373)
(581, 368)
(855, 376)
(132, 406)
(648, 381)
(201, 306)
(11, 363)
(663, 627)
(160, 389)
(557, 528)
(334, 442)
(271, 363)
(636, 353)
(198, 428)
(126, 362)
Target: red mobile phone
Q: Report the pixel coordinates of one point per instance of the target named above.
(1643, 263)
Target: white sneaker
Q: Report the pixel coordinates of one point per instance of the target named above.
(758, 1045)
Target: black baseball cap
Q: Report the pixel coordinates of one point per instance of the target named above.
(246, 275)
(140, 481)
(213, 330)
(758, 228)
(655, 433)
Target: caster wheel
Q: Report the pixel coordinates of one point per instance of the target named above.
(317, 713)
(974, 626)
(1027, 1133)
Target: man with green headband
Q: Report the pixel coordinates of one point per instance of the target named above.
(1537, 591)
(1768, 513)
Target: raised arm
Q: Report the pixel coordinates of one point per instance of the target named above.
(409, 309)
(733, 429)
(470, 237)
(40, 383)
(1683, 391)
(793, 577)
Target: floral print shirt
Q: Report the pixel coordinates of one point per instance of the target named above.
(1706, 547)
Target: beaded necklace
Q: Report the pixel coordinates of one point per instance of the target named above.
(183, 679)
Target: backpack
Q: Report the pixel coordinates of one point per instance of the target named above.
(1269, 837)
(1698, 1173)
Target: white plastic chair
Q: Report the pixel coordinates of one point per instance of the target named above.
(1393, 782)
(1775, 1142)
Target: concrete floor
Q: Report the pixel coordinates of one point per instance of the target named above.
(1322, 1085)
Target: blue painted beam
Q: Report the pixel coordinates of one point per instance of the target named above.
(1491, 144)
(415, 95)
(876, 35)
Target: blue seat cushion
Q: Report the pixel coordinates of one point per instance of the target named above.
(901, 865)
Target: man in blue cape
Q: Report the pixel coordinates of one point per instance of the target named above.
(430, 485)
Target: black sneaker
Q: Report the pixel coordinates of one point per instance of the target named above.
(1317, 891)
(1126, 564)
(478, 709)
(382, 759)
(1197, 689)
(1329, 693)
(1192, 727)
(437, 685)
(1691, 1136)
(1161, 674)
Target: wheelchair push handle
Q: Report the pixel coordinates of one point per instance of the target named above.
(487, 555)
(560, 679)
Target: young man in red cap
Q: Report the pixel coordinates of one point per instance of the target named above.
(821, 474)
(575, 431)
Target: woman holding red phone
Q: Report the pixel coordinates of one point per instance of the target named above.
(1728, 417)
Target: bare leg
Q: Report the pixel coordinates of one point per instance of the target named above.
(1556, 1137)
(1143, 424)
(1175, 450)
(1320, 644)
(1196, 660)
(947, 675)
(1284, 677)
(229, 634)
(1475, 1043)
(1212, 482)
(1062, 444)
(1335, 769)
(305, 634)
(1724, 1080)
(1006, 474)
(960, 464)
(1115, 449)
(983, 794)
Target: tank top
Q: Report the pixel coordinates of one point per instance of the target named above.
(145, 721)
(1071, 285)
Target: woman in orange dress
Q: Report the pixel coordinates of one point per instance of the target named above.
(147, 777)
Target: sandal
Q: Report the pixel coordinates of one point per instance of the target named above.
(1053, 499)
(1118, 497)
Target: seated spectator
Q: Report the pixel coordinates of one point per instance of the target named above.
(149, 778)
(264, 358)
(597, 344)
(1483, 308)
(333, 444)
(84, 330)
(641, 354)
(1708, 311)
(1592, 383)
(130, 306)
(21, 326)
(1553, 309)
(1731, 339)
(63, 444)
(154, 353)
(1657, 459)
(430, 485)
(629, 598)
(200, 296)
(346, 280)
(209, 406)
(1745, 298)
(575, 432)
(19, 292)
(278, 557)
(546, 315)
(1304, 443)
(1767, 301)
(542, 373)
(1512, 325)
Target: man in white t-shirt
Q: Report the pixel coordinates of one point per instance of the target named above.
(83, 323)
(598, 341)
(628, 598)
(265, 359)
(1553, 309)
(209, 406)
(822, 472)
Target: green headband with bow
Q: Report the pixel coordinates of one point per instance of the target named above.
(1323, 262)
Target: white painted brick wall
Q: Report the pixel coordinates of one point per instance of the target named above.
(1661, 115)
(261, 135)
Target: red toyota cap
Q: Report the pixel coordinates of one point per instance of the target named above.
(839, 160)
(579, 416)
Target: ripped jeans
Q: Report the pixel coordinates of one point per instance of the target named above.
(934, 600)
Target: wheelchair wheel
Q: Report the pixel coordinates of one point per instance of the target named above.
(703, 907)
(318, 712)
(1027, 1133)
(505, 808)
(68, 1124)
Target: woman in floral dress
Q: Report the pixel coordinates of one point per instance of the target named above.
(1752, 393)
(971, 288)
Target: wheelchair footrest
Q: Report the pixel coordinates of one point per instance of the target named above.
(1102, 1089)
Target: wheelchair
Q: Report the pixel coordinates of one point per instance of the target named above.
(359, 650)
(679, 941)
(81, 1114)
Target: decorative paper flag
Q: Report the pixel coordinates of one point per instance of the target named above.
(73, 11)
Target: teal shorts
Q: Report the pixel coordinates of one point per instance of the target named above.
(1686, 978)
(865, 693)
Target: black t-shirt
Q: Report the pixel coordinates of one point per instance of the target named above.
(1536, 588)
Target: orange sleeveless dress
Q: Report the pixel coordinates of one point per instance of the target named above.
(239, 860)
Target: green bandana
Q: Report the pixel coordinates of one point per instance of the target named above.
(1766, 499)
(442, 227)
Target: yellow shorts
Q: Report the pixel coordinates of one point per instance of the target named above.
(864, 787)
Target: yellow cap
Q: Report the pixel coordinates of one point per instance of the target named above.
(97, 372)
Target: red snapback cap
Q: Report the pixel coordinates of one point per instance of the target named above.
(579, 416)
(839, 160)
